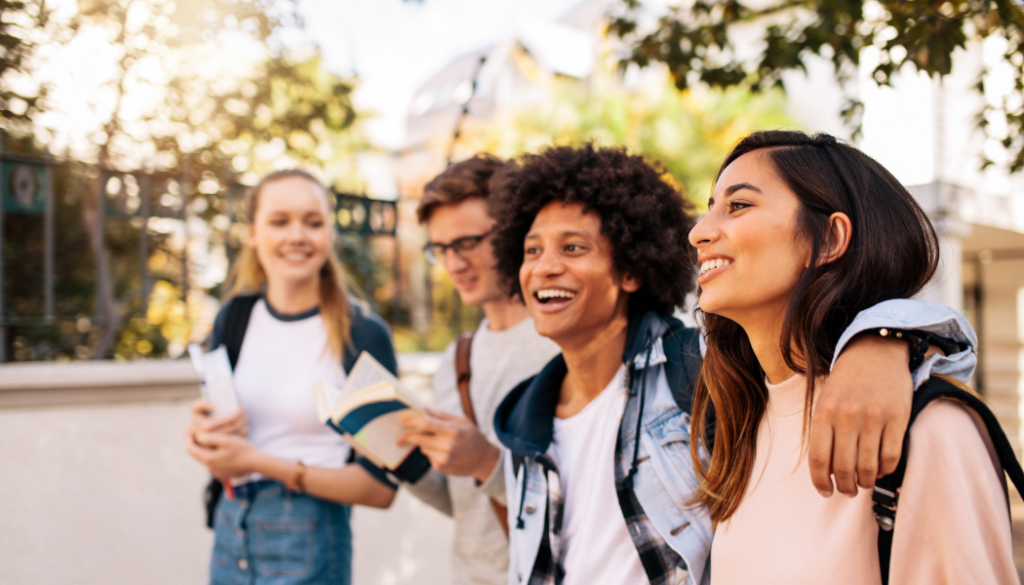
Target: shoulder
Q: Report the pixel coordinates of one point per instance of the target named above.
(371, 334)
(366, 323)
(949, 427)
(226, 312)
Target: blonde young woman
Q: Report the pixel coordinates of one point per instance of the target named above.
(289, 524)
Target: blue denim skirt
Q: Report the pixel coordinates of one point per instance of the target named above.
(268, 535)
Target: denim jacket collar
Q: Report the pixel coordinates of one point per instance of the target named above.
(524, 419)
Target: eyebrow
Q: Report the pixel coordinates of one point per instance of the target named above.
(738, 186)
(566, 234)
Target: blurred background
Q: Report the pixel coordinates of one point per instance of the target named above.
(132, 128)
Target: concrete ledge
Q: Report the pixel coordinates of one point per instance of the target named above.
(41, 384)
(28, 385)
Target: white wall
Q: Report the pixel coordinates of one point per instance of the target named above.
(105, 493)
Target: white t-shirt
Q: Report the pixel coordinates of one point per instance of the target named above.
(596, 545)
(280, 359)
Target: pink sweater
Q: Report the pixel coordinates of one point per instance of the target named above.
(953, 525)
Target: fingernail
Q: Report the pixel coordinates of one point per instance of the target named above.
(824, 493)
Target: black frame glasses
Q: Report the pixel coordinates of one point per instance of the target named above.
(435, 251)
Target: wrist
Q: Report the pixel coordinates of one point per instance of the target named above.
(488, 462)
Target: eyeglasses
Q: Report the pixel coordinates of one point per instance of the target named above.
(435, 252)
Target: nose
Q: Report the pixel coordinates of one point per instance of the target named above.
(297, 232)
(453, 262)
(705, 232)
(548, 264)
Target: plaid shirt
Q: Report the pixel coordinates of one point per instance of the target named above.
(662, 564)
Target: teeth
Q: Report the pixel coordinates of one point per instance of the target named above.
(712, 264)
(295, 257)
(552, 293)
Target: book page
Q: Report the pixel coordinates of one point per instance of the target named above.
(368, 372)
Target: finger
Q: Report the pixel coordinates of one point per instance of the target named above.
(210, 440)
(819, 455)
(892, 448)
(202, 407)
(844, 460)
(198, 453)
(412, 420)
(431, 426)
(447, 417)
(230, 426)
(868, 443)
(429, 442)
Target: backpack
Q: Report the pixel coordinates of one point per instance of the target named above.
(368, 333)
(235, 323)
(887, 489)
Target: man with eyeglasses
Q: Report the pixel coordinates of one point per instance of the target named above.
(467, 480)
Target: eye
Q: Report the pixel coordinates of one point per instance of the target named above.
(278, 221)
(531, 251)
(737, 206)
(573, 248)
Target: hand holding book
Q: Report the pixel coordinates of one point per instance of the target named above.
(368, 412)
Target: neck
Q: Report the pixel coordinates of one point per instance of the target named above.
(292, 298)
(505, 313)
(592, 361)
(764, 333)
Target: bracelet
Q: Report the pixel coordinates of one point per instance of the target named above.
(916, 340)
(920, 341)
(298, 483)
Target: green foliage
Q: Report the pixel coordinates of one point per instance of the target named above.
(688, 132)
(696, 41)
(19, 20)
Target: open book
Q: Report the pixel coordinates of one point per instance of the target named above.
(367, 411)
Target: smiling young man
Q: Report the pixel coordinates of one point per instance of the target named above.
(467, 479)
(600, 475)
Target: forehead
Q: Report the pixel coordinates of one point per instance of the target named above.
(470, 215)
(291, 195)
(755, 168)
(557, 217)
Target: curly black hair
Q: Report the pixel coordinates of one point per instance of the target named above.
(646, 219)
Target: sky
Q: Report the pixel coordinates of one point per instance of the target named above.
(395, 46)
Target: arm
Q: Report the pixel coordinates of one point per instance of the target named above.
(231, 456)
(453, 444)
(858, 422)
(432, 489)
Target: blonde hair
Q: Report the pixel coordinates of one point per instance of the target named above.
(247, 275)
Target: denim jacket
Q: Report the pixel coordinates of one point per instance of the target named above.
(654, 478)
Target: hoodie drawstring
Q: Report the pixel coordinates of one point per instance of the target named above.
(522, 499)
(649, 345)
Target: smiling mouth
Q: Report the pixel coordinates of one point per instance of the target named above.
(712, 264)
(554, 296)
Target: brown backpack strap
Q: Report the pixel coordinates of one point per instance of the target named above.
(463, 347)
(462, 372)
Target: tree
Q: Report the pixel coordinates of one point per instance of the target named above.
(697, 41)
(20, 25)
(687, 132)
(205, 120)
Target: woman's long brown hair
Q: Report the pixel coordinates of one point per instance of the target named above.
(893, 252)
(247, 275)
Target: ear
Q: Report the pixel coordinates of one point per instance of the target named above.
(630, 284)
(840, 230)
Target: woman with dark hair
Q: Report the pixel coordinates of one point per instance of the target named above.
(289, 321)
(825, 232)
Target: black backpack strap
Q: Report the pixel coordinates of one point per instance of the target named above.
(887, 489)
(682, 352)
(230, 331)
(235, 324)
